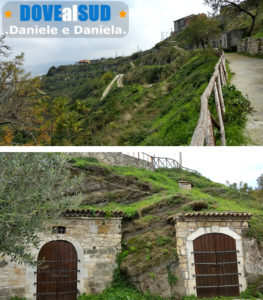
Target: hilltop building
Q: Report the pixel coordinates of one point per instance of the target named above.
(181, 24)
(84, 61)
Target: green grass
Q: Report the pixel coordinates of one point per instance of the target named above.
(120, 293)
(158, 106)
(164, 186)
(258, 35)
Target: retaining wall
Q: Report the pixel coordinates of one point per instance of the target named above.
(118, 159)
(252, 46)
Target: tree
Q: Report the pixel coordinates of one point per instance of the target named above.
(17, 90)
(55, 122)
(34, 189)
(200, 30)
(238, 6)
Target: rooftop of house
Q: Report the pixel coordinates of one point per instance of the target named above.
(84, 61)
(208, 216)
(185, 18)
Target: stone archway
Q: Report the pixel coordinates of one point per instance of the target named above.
(191, 226)
(31, 272)
(216, 265)
(57, 271)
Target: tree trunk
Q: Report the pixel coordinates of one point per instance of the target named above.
(252, 25)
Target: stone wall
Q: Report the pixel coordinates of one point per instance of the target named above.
(97, 242)
(118, 159)
(190, 228)
(252, 46)
(253, 257)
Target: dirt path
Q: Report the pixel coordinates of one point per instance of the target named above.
(248, 79)
(119, 79)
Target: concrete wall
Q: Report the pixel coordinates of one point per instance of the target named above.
(97, 242)
(251, 45)
(118, 159)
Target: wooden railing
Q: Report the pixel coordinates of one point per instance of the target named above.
(165, 162)
(204, 131)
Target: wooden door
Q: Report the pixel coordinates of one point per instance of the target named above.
(216, 265)
(57, 274)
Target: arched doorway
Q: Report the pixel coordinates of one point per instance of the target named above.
(57, 275)
(216, 267)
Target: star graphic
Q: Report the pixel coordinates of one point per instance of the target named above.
(8, 14)
(123, 14)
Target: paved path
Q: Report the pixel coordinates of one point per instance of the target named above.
(248, 79)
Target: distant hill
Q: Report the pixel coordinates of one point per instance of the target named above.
(42, 69)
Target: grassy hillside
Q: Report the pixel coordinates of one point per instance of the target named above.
(159, 104)
(164, 189)
(148, 239)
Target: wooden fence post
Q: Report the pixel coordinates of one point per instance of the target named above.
(221, 98)
(220, 118)
(210, 137)
(204, 133)
(222, 74)
(224, 66)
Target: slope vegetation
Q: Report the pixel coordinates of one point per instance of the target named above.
(158, 105)
(147, 200)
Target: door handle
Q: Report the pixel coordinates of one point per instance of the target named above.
(221, 267)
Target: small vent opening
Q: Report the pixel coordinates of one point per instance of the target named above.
(59, 230)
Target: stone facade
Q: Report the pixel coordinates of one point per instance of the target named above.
(227, 40)
(118, 159)
(252, 46)
(97, 241)
(191, 226)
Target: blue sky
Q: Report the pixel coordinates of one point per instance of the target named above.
(148, 19)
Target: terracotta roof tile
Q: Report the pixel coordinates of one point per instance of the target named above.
(90, 213)
(209, 216)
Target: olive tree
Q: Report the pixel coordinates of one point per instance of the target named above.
(34, 189)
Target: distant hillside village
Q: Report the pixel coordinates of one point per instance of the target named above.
(232, 40)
